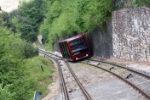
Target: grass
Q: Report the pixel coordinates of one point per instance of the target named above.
(42, 77)
(48, 47)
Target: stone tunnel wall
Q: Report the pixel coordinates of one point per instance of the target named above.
(131, 34)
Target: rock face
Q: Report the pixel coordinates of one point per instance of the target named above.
(131, 34)
(101, 43)
(127, 36)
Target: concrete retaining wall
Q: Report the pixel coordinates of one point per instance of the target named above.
(101, 43)
(131, 34)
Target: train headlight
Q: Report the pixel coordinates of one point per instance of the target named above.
(86, 54)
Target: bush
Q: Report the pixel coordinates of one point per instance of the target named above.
(27, 50)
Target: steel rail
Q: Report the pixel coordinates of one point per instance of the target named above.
(62, 81)
(63, 84)
(125, 80)
(85, 93)
(127, 68)
(49, 53)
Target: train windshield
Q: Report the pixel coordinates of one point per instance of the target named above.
(78, 46)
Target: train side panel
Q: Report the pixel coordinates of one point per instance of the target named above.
(65, 50)
(75, 48)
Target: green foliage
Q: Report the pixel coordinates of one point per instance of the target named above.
(14, 52)
(131, 3)
(27, 50)
(5, 93)
(54, 11)
(42, 78)
(5, 20)
(32, 10)
(139, 3)
(78, 16)
(12, 66)
(44, 30)
(27, 18)
(15, 24)
(28, 32)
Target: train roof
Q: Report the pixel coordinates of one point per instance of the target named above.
(72, 38)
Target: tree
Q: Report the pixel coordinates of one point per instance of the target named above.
(5, 93)
(77, 16)
(12, 66)
(27, 18)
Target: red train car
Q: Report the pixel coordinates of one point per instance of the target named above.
(75, 48)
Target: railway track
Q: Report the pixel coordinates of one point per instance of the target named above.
(135, 78)
(63, 85)
(139, 80)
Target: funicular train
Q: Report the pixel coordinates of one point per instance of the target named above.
(75, 48)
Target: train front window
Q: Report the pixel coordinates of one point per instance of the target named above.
(78, 46)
